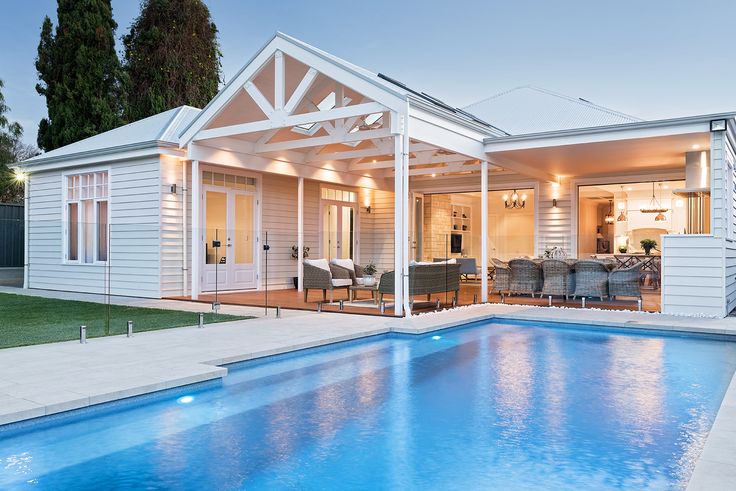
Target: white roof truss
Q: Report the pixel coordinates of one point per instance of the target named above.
(294, 103)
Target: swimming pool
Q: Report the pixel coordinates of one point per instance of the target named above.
(489, 406)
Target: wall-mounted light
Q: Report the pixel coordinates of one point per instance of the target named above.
(19, 175)
(554, 202)
(718, 125)
(173, 189)
(368, 209)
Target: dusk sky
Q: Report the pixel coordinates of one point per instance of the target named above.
(653, 59)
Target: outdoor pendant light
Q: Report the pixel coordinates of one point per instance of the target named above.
(622, 207)
(609, 216)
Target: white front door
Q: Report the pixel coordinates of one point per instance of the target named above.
(230, 239)
(338, 240)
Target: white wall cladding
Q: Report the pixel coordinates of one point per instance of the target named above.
(172, 246)
(134, 234)
(279, 219)
(729, 154)
(699, 271)
(377, 229)
(554, 225)
(693, 272)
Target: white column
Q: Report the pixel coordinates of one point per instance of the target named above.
(26, 229)
(184, 210)
(398, 223)
(300, 234)
(484, 231)
(196, 229)
(405, 211)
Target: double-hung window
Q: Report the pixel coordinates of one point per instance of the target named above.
(87, 217)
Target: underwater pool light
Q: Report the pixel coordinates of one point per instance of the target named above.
(436, 337)
(185, 399)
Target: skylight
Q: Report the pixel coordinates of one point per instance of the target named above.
(324, 105)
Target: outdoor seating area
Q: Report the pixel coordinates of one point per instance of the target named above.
(567, 278)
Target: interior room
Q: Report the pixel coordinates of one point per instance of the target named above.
(451, 225)
(615, 218)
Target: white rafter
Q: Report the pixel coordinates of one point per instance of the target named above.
(323, 140)
(259, 98)
(279, 81)
(280, 120)
(301, 90)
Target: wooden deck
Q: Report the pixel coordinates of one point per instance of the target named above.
(292, 299)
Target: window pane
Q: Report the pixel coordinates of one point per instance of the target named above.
(244, 229)
(73, 231)
(102, 231)
(88, 231)
(215, 227)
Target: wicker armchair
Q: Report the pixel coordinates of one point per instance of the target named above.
(501, 276)
(591, 279)
(355, 271)
(320, 275)
(424, 279)
(526, 276)
(624, 282)
(558, 278)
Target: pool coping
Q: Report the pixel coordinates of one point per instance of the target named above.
(715, 467)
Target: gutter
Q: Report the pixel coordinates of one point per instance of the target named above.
(30, 163)
(661, 123)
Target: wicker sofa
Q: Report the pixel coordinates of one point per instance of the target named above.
(424, 279)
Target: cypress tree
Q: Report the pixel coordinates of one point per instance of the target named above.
(171, 57)
(79, 73)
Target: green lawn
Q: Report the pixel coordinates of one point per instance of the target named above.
(26, 320)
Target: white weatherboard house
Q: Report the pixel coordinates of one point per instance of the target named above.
(315, 151)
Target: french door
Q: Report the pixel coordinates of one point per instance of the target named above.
(417, 226)
(230, 247)
(338, 236)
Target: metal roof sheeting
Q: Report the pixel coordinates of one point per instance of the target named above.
(163, 127)
(530, 109)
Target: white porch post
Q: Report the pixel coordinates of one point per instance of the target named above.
(26, 230)
(300, 234)
(484, 231)
(398, 224)
(196, 232)
(405, 211)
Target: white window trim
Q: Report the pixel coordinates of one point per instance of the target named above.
(356, 205)
(65, 216)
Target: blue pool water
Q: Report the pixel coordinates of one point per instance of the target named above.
(494, 406)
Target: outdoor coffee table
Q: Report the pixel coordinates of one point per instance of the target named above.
(362, 288)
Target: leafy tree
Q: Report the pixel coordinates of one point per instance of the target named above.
(171, 57)
(12, 150)
(79, 73)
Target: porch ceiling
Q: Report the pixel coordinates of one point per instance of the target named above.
(606, 157)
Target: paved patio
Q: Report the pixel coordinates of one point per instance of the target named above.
(51, 378)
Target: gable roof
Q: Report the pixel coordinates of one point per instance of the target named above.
(162, 128)
(386, 85)
(529, 109)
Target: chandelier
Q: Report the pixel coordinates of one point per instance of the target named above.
(515, 203)
(655, 206)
